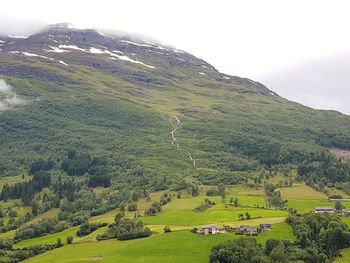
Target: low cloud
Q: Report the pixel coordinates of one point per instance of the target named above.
(322, 83)
(8, 97)
(20, 26)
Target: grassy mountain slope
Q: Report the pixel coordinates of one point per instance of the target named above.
(125, 111)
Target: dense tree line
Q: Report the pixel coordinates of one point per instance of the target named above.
(330, 171)
(44, 226)
(87, 228)
(10, 255)
(99, 181)
(333, 139)
(26, 190)
(326, 234)
(226, 178)
(77, 164)
(41, 165)
(125, 228)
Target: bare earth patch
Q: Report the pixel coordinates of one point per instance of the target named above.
(97, 258)
(343, 154)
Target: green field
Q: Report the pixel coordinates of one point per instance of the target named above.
(345, 258)
(180, 212)
(179, 246)
(301, 191)
(52, 238)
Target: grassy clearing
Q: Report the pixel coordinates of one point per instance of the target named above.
(8, 234)
(13, 179)
(52, 238)
(48, 239)
(158, 248)
(341, 154)
(301, 191)
(48, 214)
(335, 191)
(345, 258)
(304, 206)
(249, 200)
(245, 190)
(10, 203)
(180, 213)
(346, 220)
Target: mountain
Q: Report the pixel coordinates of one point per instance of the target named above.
(153, 113)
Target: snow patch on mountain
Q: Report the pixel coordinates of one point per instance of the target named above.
(71, 47)
(38, 56)
(136, 44)
(13, 36)
(94, 50)
(56, 50)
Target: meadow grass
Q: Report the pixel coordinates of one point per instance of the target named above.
(345, 256)
(8, 235)
(49, 239)
(301, 191)
(10, 180)
(178, 246)
(180, 212)
(346, 220)
(184, 206)
(304, 205)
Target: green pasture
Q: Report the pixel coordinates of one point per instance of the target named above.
(178, 246)
(180, 212)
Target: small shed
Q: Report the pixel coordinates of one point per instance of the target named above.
(265, 227)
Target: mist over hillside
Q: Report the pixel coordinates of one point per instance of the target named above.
(329, 76)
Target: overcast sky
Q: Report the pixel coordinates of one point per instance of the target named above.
(288, 45)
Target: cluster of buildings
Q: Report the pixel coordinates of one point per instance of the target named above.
(329, 210)
(253, 231)
(242, 230)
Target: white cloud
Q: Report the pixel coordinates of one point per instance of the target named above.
(8, 97)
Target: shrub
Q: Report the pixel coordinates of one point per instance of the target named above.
(69, 239)
(167, 229)
(194, 230)
(132, 207)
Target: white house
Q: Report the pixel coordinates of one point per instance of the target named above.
(209, 230)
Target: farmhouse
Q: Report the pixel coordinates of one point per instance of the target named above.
(212, 230)
(324, 210)
(251, 231)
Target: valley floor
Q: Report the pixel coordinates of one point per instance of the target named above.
(181, 245)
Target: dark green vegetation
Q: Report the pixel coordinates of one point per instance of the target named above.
(126, 229)
(319, 239)
(98, 133)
